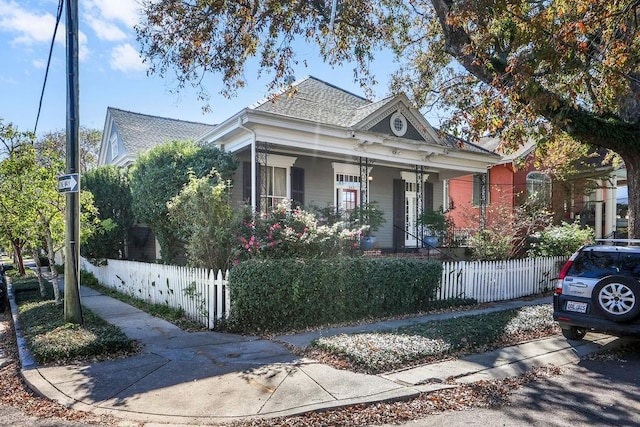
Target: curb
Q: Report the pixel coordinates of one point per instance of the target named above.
(27, 361)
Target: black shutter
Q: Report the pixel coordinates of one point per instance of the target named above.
(398, 213)
(246, 181)
(428, 196)
(297, 186)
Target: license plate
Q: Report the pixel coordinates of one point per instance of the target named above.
(575, 306)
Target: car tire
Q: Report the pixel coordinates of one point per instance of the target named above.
(574, 333)
(618, 298)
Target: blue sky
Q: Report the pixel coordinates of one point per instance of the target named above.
(111, 71)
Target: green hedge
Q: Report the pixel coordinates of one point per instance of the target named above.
(284, 294)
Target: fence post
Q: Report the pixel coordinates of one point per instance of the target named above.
(224, 284)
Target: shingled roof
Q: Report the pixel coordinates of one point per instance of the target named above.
(140, 132)
(317, 101)
(461, 144)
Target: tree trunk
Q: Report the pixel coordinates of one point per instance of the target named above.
(36, 258)
(17, 249)
(632, 162)
(52, 266)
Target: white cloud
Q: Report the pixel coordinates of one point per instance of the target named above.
(38, 63)
(126, 58)
(29, 28)
(83, 46)
(125, 11)
(8, 80)
(106, 30)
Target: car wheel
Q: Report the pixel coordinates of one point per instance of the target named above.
(618, 297)
(574, 333)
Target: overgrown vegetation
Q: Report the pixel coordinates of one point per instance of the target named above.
(51, 340)
(507, 230)
(439, 339)
(160, 174)
(282, 294)
(203, 218)
(112, 197)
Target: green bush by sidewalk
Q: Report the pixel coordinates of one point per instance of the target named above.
(274, 295)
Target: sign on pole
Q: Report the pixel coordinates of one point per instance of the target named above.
(68, 183)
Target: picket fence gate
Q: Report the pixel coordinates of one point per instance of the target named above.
(201, 293)
(204, 296)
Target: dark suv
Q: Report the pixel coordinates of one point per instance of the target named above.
(598, 289)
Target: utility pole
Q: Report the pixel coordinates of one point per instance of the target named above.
(72, 307)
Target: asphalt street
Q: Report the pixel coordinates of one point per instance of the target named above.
(603, 390)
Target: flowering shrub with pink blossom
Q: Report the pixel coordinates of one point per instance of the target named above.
(289, 232)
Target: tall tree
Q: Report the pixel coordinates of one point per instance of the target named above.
(17, 200)
(30, 205)
(512, 68)
(89, 140)
(159, 175)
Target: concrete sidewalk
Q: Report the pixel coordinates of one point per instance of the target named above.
(210, 378)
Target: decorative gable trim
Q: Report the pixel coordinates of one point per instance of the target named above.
(399, 107)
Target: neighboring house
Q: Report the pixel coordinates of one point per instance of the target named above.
(318, 144)
(127, 134)
(589, 198)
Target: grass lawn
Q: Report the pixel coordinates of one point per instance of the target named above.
(435, 340)
(51, 340)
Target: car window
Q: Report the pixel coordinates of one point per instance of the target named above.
(629, 264)
(592, 264)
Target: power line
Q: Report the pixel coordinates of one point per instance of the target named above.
(46, 74)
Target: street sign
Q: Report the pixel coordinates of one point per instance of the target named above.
(68, 183)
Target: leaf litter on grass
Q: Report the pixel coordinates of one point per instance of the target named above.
(437, 340)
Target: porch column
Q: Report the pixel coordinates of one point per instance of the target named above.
(254, 176)
(598, 213)
(610, 206)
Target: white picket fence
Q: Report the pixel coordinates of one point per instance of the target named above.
(204, 296)
(201, 293)
(487, 281)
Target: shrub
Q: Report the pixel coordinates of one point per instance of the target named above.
(271, 295)
(202, 217)
(488, 245)
(560, 240)
(288, 232)
(88, 279)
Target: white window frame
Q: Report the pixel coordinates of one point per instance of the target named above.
(403, 124)
(350, 181)
(113, 145)
(277, 161)
(539, 186)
